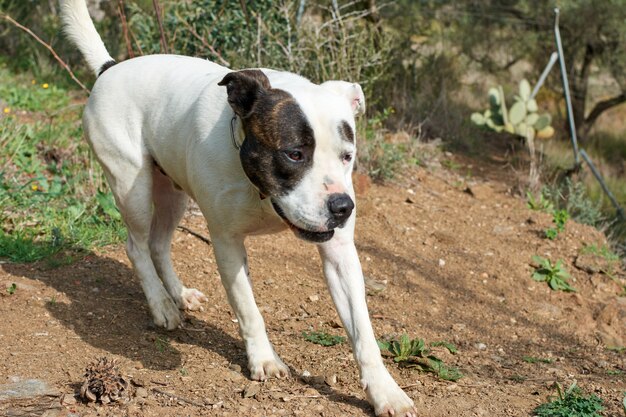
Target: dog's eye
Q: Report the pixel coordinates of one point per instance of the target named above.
(346, 157)
(295, 156)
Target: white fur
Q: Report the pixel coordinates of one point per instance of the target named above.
(80, 30)
(169, 109)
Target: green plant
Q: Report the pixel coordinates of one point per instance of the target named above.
(559, 218)
(532, 359)
(415, 354)
(379, 158)
(11, 288)
(572, 403)
(572, 197)
(50, 188)
(322, 338)
(540, 204)
(555, 275)
(522, 119)
(617, 349)
(162, 344)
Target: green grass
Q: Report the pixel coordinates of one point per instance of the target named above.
(322, 338)
(53, 198)
(533, 359)
(11, 288)
(23, 92)
(571, 403)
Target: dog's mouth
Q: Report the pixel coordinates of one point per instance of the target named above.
(309, 235)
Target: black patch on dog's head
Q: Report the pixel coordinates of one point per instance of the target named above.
(275, 127)
(345, 131)
(106, 66)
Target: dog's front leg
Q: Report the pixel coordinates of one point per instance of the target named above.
(345, 282)
(263, 362)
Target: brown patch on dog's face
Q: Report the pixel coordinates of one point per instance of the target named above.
(279, 143)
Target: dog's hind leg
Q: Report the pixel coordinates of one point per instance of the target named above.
(130, 179)
(263, 362)
(169, 207)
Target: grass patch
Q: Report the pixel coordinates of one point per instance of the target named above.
(18, 92)
(533, 359)
(52, 192)
(415, 354)
(555, 275)
(322, 338)
(571, 403)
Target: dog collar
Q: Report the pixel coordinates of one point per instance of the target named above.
(232, 132)
(238, 146)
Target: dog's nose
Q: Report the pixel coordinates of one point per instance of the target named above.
(340, 206)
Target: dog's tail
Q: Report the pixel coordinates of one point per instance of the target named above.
(79, 28)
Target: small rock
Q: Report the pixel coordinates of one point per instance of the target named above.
(458, 327)
(141, 392)
(306, 374)
(314, 298)
(234, 367)
(442, 262)
(68, 399)
(481, 346)
(252, 390)
(374, 286)
(331, 380)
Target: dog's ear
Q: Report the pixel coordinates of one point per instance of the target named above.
(244, 88)
(351, 91)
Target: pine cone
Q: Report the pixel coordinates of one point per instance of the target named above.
(103, 382)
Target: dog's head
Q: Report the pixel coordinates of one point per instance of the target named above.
(299, 148)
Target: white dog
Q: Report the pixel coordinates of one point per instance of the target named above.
(259, 151)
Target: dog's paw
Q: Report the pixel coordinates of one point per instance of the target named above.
(273, 368)
(192, 299)
(165, 313)
(388, 399)
(264, 363)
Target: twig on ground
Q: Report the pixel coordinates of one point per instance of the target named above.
(198, 235)
(48, 47)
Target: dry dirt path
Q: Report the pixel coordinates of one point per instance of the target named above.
(457, 266)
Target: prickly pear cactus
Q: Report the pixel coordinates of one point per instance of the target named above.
(522, 119)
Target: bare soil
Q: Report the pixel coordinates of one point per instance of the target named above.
(455, 255)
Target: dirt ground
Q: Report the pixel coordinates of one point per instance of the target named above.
(456, 258)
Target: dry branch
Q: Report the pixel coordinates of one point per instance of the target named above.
(48, 47)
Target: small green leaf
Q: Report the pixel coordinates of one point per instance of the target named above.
(324, 339)
(11, 288)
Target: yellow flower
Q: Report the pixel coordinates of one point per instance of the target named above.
(7, 110)
(44, 85)
(33, 82)
(34, 187)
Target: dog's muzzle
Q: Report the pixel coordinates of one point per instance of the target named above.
(340, 207)
(309, 235)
